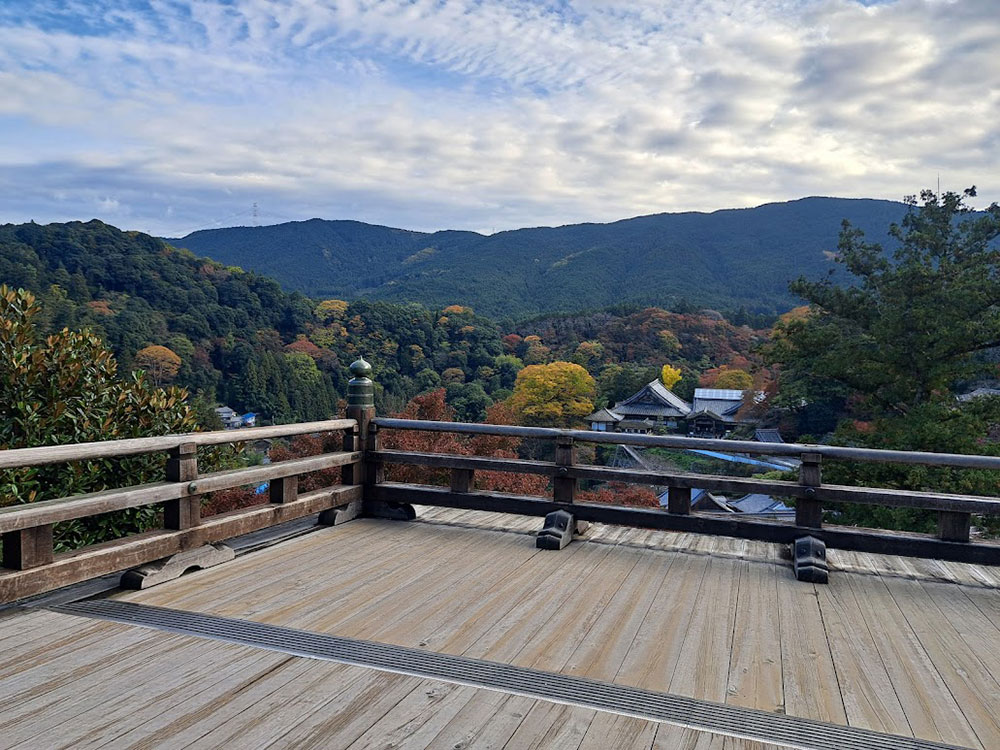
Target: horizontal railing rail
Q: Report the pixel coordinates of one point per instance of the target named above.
(956, 460)
(17, 517)
(809, 493)
(828, 492)
(55, 454)
(30, 564)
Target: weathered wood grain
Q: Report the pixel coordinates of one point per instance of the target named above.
(15, 517)
(110, 557)
(53, 454)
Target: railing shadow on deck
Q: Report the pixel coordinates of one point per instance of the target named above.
(29, 565)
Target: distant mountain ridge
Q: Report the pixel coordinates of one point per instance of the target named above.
(725, 259)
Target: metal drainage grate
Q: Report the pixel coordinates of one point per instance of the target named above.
(762, 726)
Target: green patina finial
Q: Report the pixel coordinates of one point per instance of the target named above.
(360, 389)
(361, 369)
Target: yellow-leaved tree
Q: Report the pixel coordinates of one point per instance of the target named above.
(556, 395)
(670, 376)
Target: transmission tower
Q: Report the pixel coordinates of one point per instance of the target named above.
(255, 213)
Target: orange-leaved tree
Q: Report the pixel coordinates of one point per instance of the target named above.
(160, 363)
(432, 406)
(429, 406)
(500, 446)
(617, 493)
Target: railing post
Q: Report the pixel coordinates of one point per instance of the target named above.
(461, 480)
(679, 500)
(561, 525)
(351, 473)
(563, 486)
(374, 469)
(953, 526)
(809, 510)
(28, 548)
(361, 408)
(182, 466)
(283, 489)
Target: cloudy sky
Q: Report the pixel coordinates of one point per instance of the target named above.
(173, 115)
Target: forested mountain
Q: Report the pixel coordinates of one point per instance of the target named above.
(726, 259)
(239, 338)
(234, 336)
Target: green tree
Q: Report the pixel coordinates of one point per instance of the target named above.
(911, 325)
(738, 380)
(64, 389)
(897, 343)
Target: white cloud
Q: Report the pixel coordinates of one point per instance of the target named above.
(484, 114)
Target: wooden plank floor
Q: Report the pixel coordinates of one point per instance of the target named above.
(74, 683)
(892, 648)
(907, 656)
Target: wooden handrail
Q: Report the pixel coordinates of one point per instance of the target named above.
(826, 492)
(923, 458)
(954, 510)
(30, 565)
(17, 517)
(54, 454)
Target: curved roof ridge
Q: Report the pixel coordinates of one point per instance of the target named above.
(661, 393)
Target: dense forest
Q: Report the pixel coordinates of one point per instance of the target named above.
(725, 260)
(235, 337)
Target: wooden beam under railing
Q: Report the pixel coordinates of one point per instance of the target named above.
(111, 557)
(840, 537)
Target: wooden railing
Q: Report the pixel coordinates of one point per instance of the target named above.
(30, 566)
(809, 492)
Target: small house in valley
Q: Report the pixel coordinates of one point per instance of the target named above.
(604, 420)
(230, 419)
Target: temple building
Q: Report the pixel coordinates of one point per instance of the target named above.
(655, 408)
(713, 413)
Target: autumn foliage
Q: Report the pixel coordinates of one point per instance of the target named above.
(618, 493)
(300, 446)
(726, 377)
(432, 406)
(554, 395)
(670, 376)
(159, 362)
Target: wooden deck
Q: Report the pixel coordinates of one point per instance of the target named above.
(898, 647)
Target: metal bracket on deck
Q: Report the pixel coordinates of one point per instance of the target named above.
(392, 511)
(175, 566)
(339, 515)
(558, 530)
(809, 559)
